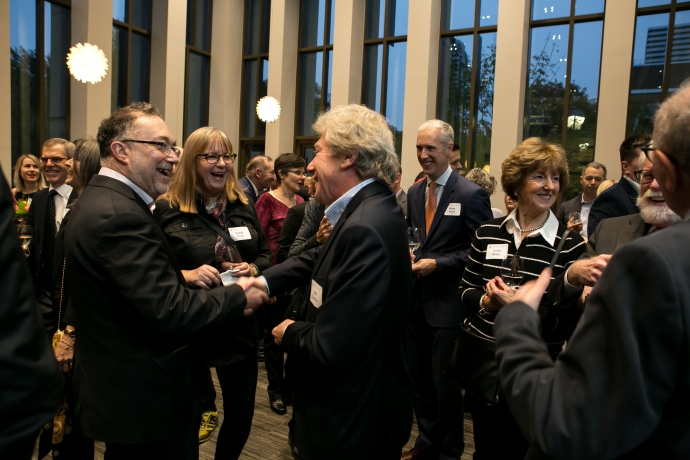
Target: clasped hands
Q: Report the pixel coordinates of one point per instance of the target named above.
(251, 285)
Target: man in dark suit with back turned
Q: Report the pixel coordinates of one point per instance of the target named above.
(620, 389)
(352, 396)
(47, 210)
(400, 195)
(258, 177)
(133, 368)
(593, 174)
(449, 209)
(619, 199)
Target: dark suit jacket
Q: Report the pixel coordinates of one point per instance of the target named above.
(620, 389)
(132, 308)
(30, 382)
(448, 242)
(402, 201)
(288, 232)
(611, 233)
(248, 188)
(618, 200)
(567, 208)
(353, 393)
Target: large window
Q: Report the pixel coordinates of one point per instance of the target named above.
(131, 60)
(315, 64)
(563, 79)
(39, 40)
(385, 55)
(467, 61)
(257, 24)
(661, 58)
(198, 65)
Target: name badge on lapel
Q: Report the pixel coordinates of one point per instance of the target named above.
(239, 233)
(453, 209)
(316, 293)
(496, 251)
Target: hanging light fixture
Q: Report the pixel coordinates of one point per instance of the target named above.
(87, 63)
(268, 109)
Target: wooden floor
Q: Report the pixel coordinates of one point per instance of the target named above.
(268, 438)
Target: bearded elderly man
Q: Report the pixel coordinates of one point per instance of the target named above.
(352, 396)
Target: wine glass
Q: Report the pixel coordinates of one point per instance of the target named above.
(232, 255)
(25, 235)
(575, 218)
(414, 239)
(510, 270)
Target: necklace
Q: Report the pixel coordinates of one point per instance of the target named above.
(530, 230)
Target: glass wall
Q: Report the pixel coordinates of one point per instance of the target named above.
(467, 62)
(257, 25)
(198, 65)
(131, 59)
(563, 79)
(385, 57)
(40, 87)
(661, 58)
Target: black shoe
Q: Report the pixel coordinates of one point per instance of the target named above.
(278, 406)
(295, 453)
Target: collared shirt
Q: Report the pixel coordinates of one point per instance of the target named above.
(61, 200)
(440, 186)
(634, 184)
(336, 209)
(256, 190)
(398, 194)
(549, 231)
(117, 176)
(584, 214)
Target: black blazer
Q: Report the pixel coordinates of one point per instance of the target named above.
(31, 387)
(248, 188)
(132, 311)
(288, 232)
(449, 241)
(618, 200)
(613, 232)
(620, 388)
(352, 395)
(567, 208)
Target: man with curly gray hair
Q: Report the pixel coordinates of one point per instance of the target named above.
(352, 396)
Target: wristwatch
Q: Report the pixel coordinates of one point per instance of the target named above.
(255, 269)
(482, 310)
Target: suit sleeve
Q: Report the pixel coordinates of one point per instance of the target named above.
(343, 331)
(592, 241)
(138, 265)
(478, 211)
(607, 391)
(287, 235)
(560, 215)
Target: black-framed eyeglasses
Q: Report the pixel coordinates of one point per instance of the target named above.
(649, 151)
(298, 172)
(163, 147)
(212, 158)
(644, 176)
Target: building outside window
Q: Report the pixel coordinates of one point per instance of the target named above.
(131, 59)
(314, 70)
(197, 65)
(385, 57)
(563, 79)
(40, 82)
(467, 62)
(257, 24)
(661, 58)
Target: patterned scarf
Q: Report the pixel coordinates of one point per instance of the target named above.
(218, 214)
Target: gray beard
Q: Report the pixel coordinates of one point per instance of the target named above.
(660, 216)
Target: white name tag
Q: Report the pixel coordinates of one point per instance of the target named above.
(453, 209)
(316, 292)
(497, 251)
(239, 233)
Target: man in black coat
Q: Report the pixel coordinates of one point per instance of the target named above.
(593, 174)
(620, 389)
(132, 307)
(620, 198)
(352, 395)
(258, 178)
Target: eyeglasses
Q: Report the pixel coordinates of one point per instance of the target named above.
(55, 160)
(163, 147)
(649, 151)
(297, 172)
(644, 176)
(212, 158)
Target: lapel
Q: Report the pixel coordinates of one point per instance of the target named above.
(629, 191)
(448, 194)
(637, 227)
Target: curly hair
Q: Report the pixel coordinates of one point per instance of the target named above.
(531, 155)
(120, 123)
(482, 179)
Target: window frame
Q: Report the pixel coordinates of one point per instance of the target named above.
(194, 49)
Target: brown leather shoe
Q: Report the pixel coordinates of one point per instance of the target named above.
(412, 454)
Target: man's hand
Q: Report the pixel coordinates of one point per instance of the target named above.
(204, 277)
(242, 269)
(64, 353)
(586, 272)
(279, 331)
(575, 228)
(324, 230)
(424, 267)
(248, 282)
(255, 299)
(532, 291)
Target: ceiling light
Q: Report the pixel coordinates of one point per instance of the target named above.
(268, 109)
(87, 63)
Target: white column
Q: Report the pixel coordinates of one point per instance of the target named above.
(5, 91)
(348, 52)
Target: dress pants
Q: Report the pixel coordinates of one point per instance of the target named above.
(496, 434)
(437, 400)
(274, 354)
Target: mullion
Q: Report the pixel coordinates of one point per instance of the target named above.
(473, 90)
(568, 69)
(41, 64)
(128, 16)
(669, 51)
(259, 74)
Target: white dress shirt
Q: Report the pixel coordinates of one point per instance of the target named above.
(61, 200)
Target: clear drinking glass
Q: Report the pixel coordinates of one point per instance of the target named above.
(232, 256)
(414, 238)
(25, 235)
(511, 270)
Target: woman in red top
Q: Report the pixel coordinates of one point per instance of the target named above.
(273, 206)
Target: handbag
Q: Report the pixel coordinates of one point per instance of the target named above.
(472, 363)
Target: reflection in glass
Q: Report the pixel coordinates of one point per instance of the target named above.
(198, 77)
(373, 71)
(57, 42)
(485, 99)
(680, 50)
(139, 76)
(263, 91)
(250, 100)
(251, 26)
(312, 22)
(265, 25)
(397, 17)
(457, 14)
(395, 90)
(311, 65)
(550, 9)
(203, 25)
(374, 18)
(645, 3)
(488, 13)
(588, 7)
(118, 71)
(119, 10)
(141, 14)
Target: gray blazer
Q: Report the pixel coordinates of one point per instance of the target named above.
(613, 232)
(402, 201)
